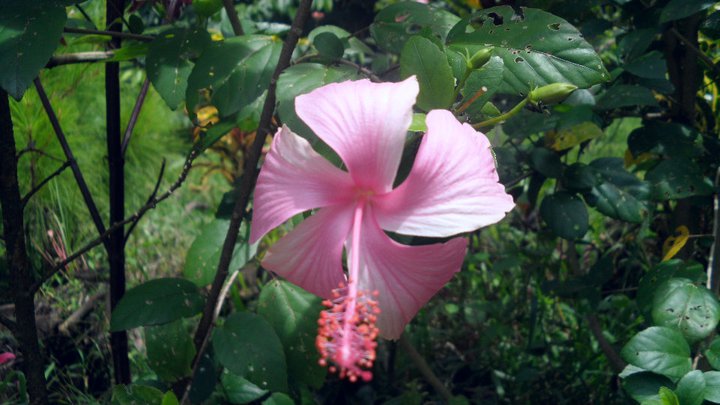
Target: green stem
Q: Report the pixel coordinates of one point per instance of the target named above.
(503, 117)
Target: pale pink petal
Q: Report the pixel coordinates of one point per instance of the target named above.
(406, 277)
(5, 357)
(453, 185)
(293, 179)
(310, 256)
(365, 123)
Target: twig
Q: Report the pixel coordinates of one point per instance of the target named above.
(135, 114)
(79, 179)
(8, 323)
(424, 368)
(713, 269)
(79, 57)
(148, 206)
(85, 14)
(37, 188)
(114, 34)
(472, 99)
(204, 329)
(80, 313)
(367, 72)
(233, 17)
(39, 152)
(503, 117)
(149, 201)
(700, 54)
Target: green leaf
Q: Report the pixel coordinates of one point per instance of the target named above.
(616, 203)
(238, 70)
(546, 162)
(670, 140)
(422, 58)
(636, 42)
(204, 254)
(418, 123)
(170, 350)
(691, 388)
(395, 24)
(170, 399)
(711, 26)
(239, 390)
(487, 80)
(645, 385)
(661, 350)
(565, 214)
(677, 9)
(30, 31)
(668, 397)
(136, 394)
(682, 305)
(248, 346)
(169, 61)
(156, 302)
(329, 45)
(205, 379)
(712, 386)
(278, 399)
(136, 24)
(625, 95)
(538, 48)
(677, 178)
(293, 313)
(662, 272)
(649, 66)
(712, 353)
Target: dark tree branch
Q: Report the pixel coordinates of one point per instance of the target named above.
(114, 34)
(205, 326)
(424, 369)
(79, 179)
(695, 50)
(9, 324)
(79, 57)
(37, 188)
(85, 15)
(17, 259)
(134, 217)
(233, 17)
(149, 201)
(135, 114)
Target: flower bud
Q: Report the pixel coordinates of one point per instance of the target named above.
(480, 58)
(552, 93)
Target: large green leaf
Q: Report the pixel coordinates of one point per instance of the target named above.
(565, 215)
(626, 95)
(649, 66)
(237, 70)
(293, 313)
(156, 302)
(546, 162)
(690, 308)
(485, 81)
(204, 254)
(249, 347)
(538, 48)
(691, 388)
(239, 390)
(668, 140)
(645, 385)
(677, 178)
(136, 394)
(422, 58)
(712, 354)
(170, 350)
(660, 274)
(677, 9)
(661, 350)
(395, 24)
(169, 61)
(278, 399)
(712, 386)
(30, 31)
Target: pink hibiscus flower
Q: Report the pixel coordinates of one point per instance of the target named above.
(5, 357)
(452, 188)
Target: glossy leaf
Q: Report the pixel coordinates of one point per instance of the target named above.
(661, 350)
(677, 178)
(481, 85)
(567, 138)
(395, 24)
(667, 140)
(170, 350)
(422, 58)
(329, 45)
(677, 9)
(689, 308)
(565, 215)
(660, 274)
(643, 386)
(649, 66)
(249, 347)
(691, 388)
(538, 48)
(546, 162)
(278, 399)
(156, 302)
(626, 95)
(617, 203)
(293, 314)
(136, 394)
(712, 386)
(239, 390)
(30, 31)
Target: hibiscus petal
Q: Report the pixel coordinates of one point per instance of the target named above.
(293, 179)
(310, 256)
(365, 123)
(452, 187)
(405, 277)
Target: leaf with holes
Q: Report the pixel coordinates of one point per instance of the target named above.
(538, 48)
(565, 215)
(677, 178)
(660, 274)
(660, 350)
(395, 24)
(616, 203)
(689, 308)
(248, 346)
(422, 58)
(30, 31)
(237, 70)
(170, 350)
(293, 313)
(169, 61)
(156, 302)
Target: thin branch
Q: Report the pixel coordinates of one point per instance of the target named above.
(79, 57)
(139, 213)
(205, 326)
(37, 188)
(79, 179)
(114, 34)
(41, 152)
(424, 368)
(80, 313)
(713, 269)
(233, 17)
(135, 114)
(367, 72)
(9, 324)
(700, 54)
(149, 201)
(85, 14)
